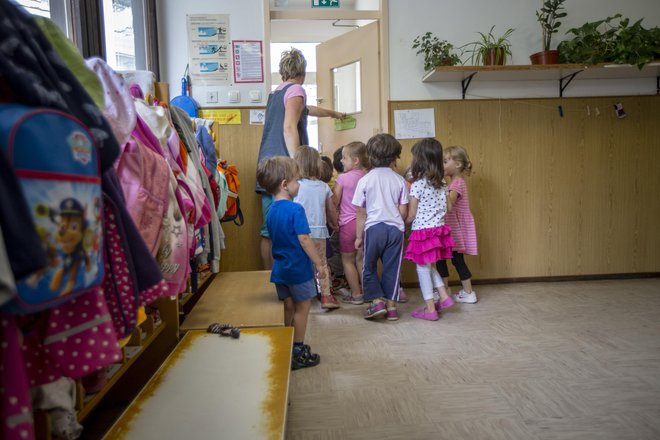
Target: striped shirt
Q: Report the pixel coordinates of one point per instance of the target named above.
(460, 219)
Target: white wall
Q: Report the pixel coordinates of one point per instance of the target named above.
(246, 23)
(458, 21)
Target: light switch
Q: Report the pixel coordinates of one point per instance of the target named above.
(255, 96)
(234, 96)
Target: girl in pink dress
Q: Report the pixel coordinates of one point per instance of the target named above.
(430, 240)
(459, 218)
(355, 161)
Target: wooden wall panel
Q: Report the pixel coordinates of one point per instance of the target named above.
(551, 195)
(239, 145)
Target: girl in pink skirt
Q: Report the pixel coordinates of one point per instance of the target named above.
(430, 240)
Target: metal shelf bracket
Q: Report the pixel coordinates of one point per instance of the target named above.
(465, 83)
(568, 78)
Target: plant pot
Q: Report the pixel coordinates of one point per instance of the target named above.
(494, 56)
(545, 57)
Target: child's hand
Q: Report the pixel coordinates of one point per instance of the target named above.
(358, 243)
(321, 273)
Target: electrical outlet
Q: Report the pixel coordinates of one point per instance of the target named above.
(212, 97)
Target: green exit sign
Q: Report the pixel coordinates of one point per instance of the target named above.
(325, 3)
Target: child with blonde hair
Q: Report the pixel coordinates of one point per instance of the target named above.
(315, 196)
(459, 218)
(354, 162)
(430, 240)
(293, 252)
(382, 200)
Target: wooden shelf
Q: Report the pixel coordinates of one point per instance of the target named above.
(564, 73)
(115, 371)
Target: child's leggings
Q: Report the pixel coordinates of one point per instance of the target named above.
(428, 279)
(384, 242)
(324, 284)
(459, 263)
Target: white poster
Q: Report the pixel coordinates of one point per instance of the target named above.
(248, 65)
(414, 124)
(209, 49)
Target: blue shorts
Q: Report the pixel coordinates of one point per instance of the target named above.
(299, 292)
(266, 201)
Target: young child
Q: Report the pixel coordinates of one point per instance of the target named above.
(337, 280)
(382, 200)
(293, 252)
(354, 161)
(430, 240)
(459, 218)
(315, 196)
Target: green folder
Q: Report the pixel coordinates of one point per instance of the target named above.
(345, 124)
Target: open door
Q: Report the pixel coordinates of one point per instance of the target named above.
(348, 80)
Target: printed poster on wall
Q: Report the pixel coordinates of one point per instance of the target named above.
(208, 49)
(248, 66)
(414, 124)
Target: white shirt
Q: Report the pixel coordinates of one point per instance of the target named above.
(380, 192)
(432, 205)
(312, 195)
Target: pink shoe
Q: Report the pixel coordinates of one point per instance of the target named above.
(403, 298)
(392, 314)
(444, 305)
(423, 314)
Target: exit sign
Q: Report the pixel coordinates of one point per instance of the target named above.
(325, 3)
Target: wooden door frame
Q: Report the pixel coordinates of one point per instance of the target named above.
(382, 16)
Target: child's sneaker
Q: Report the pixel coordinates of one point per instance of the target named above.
(464, 297)
(403, 298)
(329, 302)
(444, 305)
(392, 314)
(305, 358)
(375, 310)
(350, 299)
(423, 314)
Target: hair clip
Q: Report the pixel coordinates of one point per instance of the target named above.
(224, 330)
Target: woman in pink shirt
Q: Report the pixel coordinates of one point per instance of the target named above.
(459, 218)
(355, 161)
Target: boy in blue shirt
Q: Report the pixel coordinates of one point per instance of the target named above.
(293, 252)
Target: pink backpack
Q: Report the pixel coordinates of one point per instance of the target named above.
(144, 176)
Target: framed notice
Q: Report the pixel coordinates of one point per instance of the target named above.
(247, 56)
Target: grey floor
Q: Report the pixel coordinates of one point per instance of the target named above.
(569, 360)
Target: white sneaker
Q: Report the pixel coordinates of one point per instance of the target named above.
(464, 297)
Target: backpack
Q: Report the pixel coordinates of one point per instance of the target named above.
(56, 161)
(233, 212)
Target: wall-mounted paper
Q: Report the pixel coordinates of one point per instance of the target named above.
(257, 117)
(222, 116)
(414, 124)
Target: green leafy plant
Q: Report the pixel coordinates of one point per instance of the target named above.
(548, 17)
(611, 40)
(489, 42)
(436, 52)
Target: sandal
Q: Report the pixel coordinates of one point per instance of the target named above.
(224, 330)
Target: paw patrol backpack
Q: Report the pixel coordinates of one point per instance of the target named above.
(56, 161)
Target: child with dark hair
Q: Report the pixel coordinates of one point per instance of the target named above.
(336, 160)
(293, 252)
(381, 198)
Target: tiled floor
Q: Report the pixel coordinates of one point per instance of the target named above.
(537, 361)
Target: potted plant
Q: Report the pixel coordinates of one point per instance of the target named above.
(491, 50)
(436, 52)
(548, 17)
(611, 41)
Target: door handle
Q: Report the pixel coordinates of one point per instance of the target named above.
(320, 100)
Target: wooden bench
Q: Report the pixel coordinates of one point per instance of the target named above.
(242, 299)
(212, 387)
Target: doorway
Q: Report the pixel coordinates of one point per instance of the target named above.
(296, 25)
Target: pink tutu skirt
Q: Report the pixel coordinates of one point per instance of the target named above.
(429, 245)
